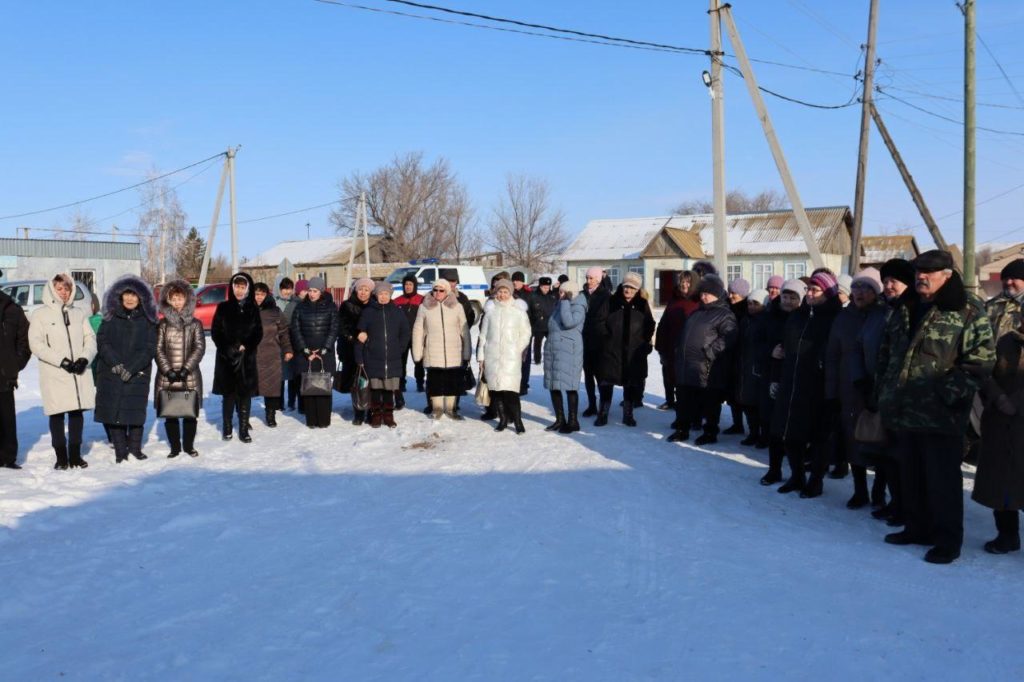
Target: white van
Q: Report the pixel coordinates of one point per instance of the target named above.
(472, 280)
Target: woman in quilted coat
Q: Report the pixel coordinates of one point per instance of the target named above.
(440, 339)
(180, 346)
(563, 356)
(314, 332)
(382, 339)
(504, 334)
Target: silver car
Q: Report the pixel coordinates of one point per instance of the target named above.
(28, 293)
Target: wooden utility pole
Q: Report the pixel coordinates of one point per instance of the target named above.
(718, 142)
(231, 208)
(908, 180)
(773, 142)
(865, 130)
(970, 276)
(360, 226)
(213, 224)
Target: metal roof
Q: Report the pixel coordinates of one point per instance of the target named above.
(70, 248)
(884, 247)
(329, 251)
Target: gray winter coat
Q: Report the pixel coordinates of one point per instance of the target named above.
(180, 343)
(563, 352)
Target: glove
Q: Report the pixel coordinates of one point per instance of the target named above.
(183, 373)
(120, 371)
(173, 376)
(81, 364)
(307, 352)
(773, 390)
(67, 366)
(1005, 405)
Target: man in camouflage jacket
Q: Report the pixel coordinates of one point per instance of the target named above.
(936, 351)
(1004, 310)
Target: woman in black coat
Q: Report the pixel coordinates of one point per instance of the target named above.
(236, 331)
(627, 329)
(126, 345)
(314, 331)
(348, 321)
(771, 357)
(383, 334)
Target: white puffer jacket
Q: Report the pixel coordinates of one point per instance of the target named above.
(57, 331)
(504, 334)
(440, 336)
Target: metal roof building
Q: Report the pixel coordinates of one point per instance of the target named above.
(96, 264)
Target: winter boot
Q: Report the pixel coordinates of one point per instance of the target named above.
(591, 402)
(752, 438)
(271, 418)
(436, 407)
(775, 457)
(627, 413)
(556, 403)
(814, 488)
(75, 456)
(737, 422)
(839, 471)
(797, 479)
(573, 422)
(376, 417)
(135, 443)
(455, 414)
(399, 401)
(602, 414)
(388, 415)
(706, 438)
(860, 497)
(503, 409)
(429, 409)
(450, 408)
(517, 413)
(120, 440)
(358, 417)
(678, 436)
(62, 457)
(491, 411)
(1008, 539)
(878, 489)
(243, 422)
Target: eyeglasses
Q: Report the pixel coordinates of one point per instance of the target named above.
(437, 290)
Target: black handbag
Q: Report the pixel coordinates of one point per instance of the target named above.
(469, 381)
(361, 390)
(178, 404)
(316, 384)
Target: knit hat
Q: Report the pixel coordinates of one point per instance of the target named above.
(740, 287)
(844, 281)
(381, 288)
(544, 281)
(563, 278)
(900, 270)
(1013, 270)
(711, 284)
(364, 282)
(933, 261)
(410, 277)
(570, 287)
(758, 296)
(704, 267)
(303, 285)
(826, 283)
(504, 284)
(313, 283)
(443, 284)
(868, 277)
(795, 286)
(775, 281)
(595, 271)
(450, 274)
(518, 276)
(632, 279)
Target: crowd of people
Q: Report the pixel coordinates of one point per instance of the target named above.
(899, 371)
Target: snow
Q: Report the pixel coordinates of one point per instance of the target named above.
(446, 551)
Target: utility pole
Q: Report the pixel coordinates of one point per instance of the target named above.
(231, 208)
(908, 180)
(865, 130)
(162, 268)
(307, 232)
(213, 225)
(773, 141)
(970, 276)
(718, 141)
(360, 216)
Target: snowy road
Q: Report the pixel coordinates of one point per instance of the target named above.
(450, 552)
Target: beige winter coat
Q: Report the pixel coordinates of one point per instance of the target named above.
(57, 331)
(440, 336)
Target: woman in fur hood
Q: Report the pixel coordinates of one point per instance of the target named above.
(127, 344)
(180, 346)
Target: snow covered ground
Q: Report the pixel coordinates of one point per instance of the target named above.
(446, 551)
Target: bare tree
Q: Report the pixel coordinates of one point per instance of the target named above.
(736, 201)
(161, 227)
(525, 226)
(80, 226)
(463, 234)
(423, 211)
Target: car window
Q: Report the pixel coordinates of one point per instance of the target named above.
(37, 294)
(19, 294)
(78, 294)
(396, 276)
(428, 275)
(212, 296)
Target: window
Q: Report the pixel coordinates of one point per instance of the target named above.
(213, 295)
(86, 277)
(323, 275)
(428, 275)
(615, 275)
(300, 275)
(762, 273)
(733, 272)
(19, 294)
(37, 294)
(795, 270)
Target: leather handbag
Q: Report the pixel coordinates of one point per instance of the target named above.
(869, 428)
(316, 384)
(178, 404)
(361, 390)
(483, 394)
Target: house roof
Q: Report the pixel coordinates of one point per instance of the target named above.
(329, 251)
(70, 248)
(757, 233)
(879, 249)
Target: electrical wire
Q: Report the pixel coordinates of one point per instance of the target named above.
(945, 118)
(849, 103)
(110, 194)
(160, 195)
(1000, 66)
(952, 99)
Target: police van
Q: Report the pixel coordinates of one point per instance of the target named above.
(472, 280)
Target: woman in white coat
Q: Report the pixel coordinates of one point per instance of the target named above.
(62, 338)
(504, 334)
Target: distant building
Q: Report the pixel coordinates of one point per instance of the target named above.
(96, 264)
(875, 251)
(1000, 259)
(327, 258)
(760, 245)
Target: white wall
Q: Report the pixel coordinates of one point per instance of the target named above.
(105, 272)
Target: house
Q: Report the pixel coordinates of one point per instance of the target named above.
(94, 263)
(1000, 259)
(760, 245)
(875, 251)
(327, 258)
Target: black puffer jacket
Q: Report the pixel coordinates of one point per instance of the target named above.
(753, 354)
(799, 413)
(593, 336)
(704, 351)
(348, 321)
(314, 328)
(541, 306)
(14, 349)
(235, 324)
(389, 334)
(627, 330)
(126, 338)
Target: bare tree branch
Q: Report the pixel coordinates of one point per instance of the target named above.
(736, 201)
(525, 226)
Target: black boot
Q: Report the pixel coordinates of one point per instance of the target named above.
(878, 489)
(814, 488)
(501, 402)
(62, 457)
(271, 418)
(572, 423)
(359, 417)
(227, 414)
(517, 413)
(243, 421)
(775, 457)
(602, 414)
(556, 403)
(860, 497)
(491, 411)
(135, 443)
(1008, 540)
(75, 456)
(120, 440)
(226, 430)
(399, 400)
(627, 413)
(796, 481)
(591, 404)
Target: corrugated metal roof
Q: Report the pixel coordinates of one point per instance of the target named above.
(878, 249)
(329, 251)
(762, 233)
(70, 248)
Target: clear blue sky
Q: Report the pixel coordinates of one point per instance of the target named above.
(97, 93)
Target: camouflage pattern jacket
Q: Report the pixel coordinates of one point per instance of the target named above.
(1004, 311)
(926, 379)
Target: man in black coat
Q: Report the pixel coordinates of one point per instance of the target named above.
(14, 355)
(597, 292)
(703, 362)
(541, 304)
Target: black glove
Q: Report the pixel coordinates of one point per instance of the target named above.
(81, 364)
(183, 373)
(120, 371)
(173, 376)
(67, 366)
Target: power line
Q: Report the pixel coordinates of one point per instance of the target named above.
(951, 99)
(109, 194)
(1000, 66)
(849, 103)
(823, 22)
(160, 195)
(945, 118)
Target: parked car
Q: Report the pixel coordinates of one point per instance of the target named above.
(472, 280)
(207, 298)
(28, 293)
